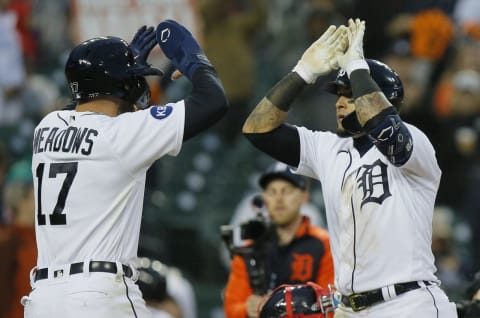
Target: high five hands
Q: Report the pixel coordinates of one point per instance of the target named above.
(336, 48)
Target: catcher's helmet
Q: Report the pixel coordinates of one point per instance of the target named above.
(297, 301)
(152, 279)
(105, 66)
(385, 77)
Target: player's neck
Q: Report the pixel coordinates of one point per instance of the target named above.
(105, 106)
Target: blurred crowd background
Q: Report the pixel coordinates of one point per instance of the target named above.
(433, 45)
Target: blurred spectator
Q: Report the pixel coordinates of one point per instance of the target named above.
(20, 202)
(467, 16)
(466, 94)
(12, 71)
(393, 15)
(445, 249)
(457, 105)
(230, 27)
(431, 34)
(54, 39)
(423, 40)
(28, 36)
(458, 102)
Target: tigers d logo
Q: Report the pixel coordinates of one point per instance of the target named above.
(302, 267)
(373, 180)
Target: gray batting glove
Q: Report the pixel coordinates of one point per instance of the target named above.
(353, 58)
(320, 57)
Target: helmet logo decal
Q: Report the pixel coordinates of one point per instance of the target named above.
(164, 35)
(74, 87)
(161, 112)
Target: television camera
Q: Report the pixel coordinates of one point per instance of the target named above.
(256, 231)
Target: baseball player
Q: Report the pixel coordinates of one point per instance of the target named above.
(89, 166)
(379, 178)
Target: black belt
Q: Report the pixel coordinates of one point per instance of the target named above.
(77, 268)
(360, 301)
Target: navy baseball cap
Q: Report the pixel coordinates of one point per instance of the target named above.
(282, 171)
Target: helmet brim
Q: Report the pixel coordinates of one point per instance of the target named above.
(332, 87)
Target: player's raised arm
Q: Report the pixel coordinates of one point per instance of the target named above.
(265, 127)
(374, 113)
(207, 102)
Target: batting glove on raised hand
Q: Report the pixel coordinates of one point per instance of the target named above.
(353, 58)
(179, 45)
(141, 45)
(319, 58)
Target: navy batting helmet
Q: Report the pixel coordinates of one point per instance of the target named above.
(385, 77)
(297, 301)
(105, 66)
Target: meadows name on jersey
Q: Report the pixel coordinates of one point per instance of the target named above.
(72, 139)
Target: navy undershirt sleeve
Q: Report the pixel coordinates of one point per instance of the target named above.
(282, 143)
(206, 104)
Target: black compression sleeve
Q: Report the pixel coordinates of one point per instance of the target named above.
(362, 83)
(206, 104)
(286, 90)
(282, 143)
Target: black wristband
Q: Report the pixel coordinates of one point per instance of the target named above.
(362, 83)
(286, 90)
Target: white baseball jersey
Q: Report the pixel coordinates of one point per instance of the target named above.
(379, 216)
(89, 176)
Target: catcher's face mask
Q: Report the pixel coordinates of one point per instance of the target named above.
(297, 301)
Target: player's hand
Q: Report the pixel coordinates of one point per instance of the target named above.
(141, 45)
(355, 33)
(253, 304)
(319, 58)
(179, 45)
